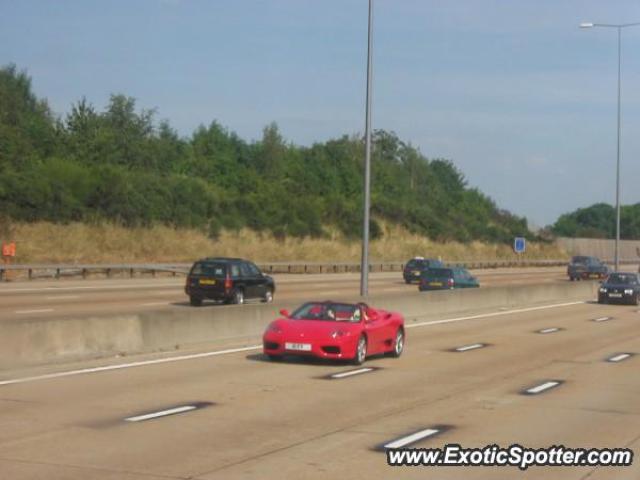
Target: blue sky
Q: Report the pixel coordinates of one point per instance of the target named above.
(512, 91)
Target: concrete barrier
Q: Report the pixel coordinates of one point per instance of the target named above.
(43, 341)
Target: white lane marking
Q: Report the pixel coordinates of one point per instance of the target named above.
(401, 442)
(163, 413)
(41, 310)
(154, 304)
(245, 349)
(352, 372)
(103, 287)
(542, 387)
(62, 297)
(548, 330)
(470, 347)
(602, 319)
(106, 368)
(619, 358)
(492, 314)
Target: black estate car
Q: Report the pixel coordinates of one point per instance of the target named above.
(414, 267)
(583, 267)
(229, 280)
(620, 287)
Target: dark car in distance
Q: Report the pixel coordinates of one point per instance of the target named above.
(414, 267)
(228, 280)
(446, 279)
(620, 287)
(584, 267)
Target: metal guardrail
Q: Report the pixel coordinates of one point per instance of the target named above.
(85, 270)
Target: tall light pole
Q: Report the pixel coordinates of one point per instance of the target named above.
(364, 264)
(619, 27)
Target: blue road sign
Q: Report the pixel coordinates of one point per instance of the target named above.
(519, 244)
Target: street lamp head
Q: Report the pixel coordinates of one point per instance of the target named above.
(586, 25)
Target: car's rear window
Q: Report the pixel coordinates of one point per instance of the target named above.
(437, 273)
(423, 263)
(209, 269)
(415, 263)
(580, 260)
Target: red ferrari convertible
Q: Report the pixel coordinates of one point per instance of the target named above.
(335, 330)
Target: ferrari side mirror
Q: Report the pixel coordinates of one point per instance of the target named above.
(284, 313)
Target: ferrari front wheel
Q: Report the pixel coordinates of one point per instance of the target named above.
(361, 351)
(398, 344)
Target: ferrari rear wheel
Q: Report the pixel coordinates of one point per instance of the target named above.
(398, 345)
(361, 351)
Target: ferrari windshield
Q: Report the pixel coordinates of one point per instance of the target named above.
(331, 312)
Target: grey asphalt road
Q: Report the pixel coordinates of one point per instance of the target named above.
(243, 417)
(89, 297)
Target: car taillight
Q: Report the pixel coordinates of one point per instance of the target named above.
(450, 282)
(228, 283)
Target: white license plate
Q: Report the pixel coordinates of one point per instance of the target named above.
(301, 347)
(615, 295)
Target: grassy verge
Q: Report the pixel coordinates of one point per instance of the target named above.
(43, 242)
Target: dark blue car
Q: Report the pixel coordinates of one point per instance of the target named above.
(620, 288)
(414, 268)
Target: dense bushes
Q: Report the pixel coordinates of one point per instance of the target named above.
(120, 165)
(599, 221)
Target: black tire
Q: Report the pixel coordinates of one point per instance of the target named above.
(268, 296)
(361, 351)
(398, 344)
(195, 301)
(407, 281)
(238, 297)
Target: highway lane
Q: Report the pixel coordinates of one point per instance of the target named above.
(258, 419)
(91, 297)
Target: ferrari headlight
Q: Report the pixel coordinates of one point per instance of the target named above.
(274, 328)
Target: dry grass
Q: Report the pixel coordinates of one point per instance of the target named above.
(82, 243)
